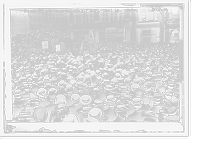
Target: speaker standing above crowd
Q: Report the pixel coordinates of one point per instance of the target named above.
(119, 83)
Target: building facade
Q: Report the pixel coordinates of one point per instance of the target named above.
(114, 25)
(19, 22)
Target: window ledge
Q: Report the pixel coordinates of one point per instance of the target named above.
(140, 22)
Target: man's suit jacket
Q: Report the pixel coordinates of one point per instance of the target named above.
(49, 108)
(118, 119)
(110, 113)
(136, 115)
(44, 103)
(130, 110)
(156, 108)
(74, 107)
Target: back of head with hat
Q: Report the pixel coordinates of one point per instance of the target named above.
(121, 107)
(40, 114)
(75, 98)
(148, 115)
(60, 99)
(95, 113)
(110, 99)
(41, 92)
(18, 93)
(156, 97)
(137, 102)
(85, 99)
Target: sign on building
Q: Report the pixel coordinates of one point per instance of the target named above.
(45, 44)
(57, 48)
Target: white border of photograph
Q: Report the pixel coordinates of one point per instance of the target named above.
(108, 129)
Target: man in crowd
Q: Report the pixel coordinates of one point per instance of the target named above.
(137, 75)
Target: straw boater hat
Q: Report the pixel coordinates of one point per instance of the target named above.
(40, 114)
(17, 93)
(163, 112)
(120, 80)
(134, 86)
(172, 110)
(168, 74)
(41, 92)
(105, 75)
(116, 92)
(52, 90)
(24, 115)
(170, 83)
(40, 83)
(127, 97)
(75, 98)
(96, 89)
(149, 114)
(95, 113)
(106, 81)
(42, 73)
(174, 118)
(156, 97)
(108, 88)
(124, 88)
(46, 79)
(91, 87)
(167, 104)
(69, 88)
(98, 103)
(60, 99)
(61, 107)
(85, 99)
(33, 99)
(54, 81)
(23, 80)
(168, 92)
(149, 84)
(98, 73)
(90, 119)
(61, 84)
(137, 101)
(85, 109)
(81, 85)
(121, 107)
(148, 91)
(47, 85)
(110, 99)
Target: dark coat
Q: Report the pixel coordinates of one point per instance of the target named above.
(16, 110)
(44, 103)
(130, 110)
(74, 107)
(136, 115)
(79, 115)
(49, 108)
(118, 119)
(156, 109)
(110, 113)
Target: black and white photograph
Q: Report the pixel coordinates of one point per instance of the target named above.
(96, 69)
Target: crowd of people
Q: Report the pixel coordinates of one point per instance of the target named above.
(120, 83)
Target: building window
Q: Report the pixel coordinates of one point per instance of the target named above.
(147, 15)
(91, 17)
(104, 17)
(84, 18)
(112, 16)
(121, 15)
(77, 19)
(66, 19)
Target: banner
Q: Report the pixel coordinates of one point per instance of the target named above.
(57, 48)
(45, 44)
